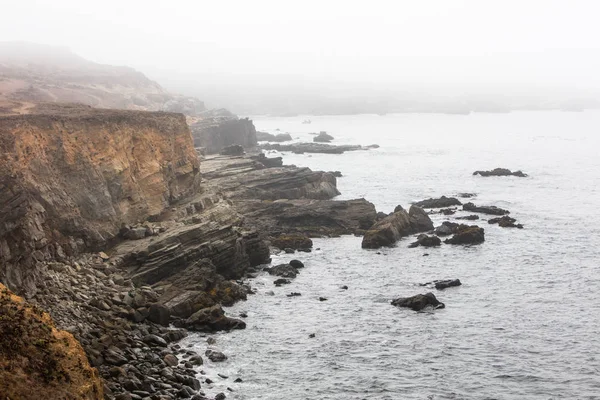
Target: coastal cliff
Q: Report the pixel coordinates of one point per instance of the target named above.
(71, 176)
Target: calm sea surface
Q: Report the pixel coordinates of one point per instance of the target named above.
(524, 325)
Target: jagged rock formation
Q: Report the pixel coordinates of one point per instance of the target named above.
(398, 224)
(37, 360)
(70, 176)
(32, 73)
(215, 133)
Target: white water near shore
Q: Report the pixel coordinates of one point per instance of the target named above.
(524, 324)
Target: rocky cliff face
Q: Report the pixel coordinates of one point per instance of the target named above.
(38, 360)
(215, 133)
(70, 177)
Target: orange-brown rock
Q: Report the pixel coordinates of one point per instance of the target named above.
(39, 361)
(70, 176)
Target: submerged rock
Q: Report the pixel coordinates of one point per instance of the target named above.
(500, 172)
(492, 210)
(465, 234)
(418, 302)
(441, 202)
(215, 356)
(471, 217)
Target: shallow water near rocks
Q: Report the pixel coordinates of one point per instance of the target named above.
(526, 320)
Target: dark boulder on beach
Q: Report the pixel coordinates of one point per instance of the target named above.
(505, 222)
(465, 234)
(492, 210)
(211, 319)
(500, 172)
(418, 302)
(268, 162)
(441, 202)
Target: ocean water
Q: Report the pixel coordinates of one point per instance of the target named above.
(525, 324)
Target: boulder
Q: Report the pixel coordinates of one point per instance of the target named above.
(281, 281)
(283, 270)
(215, 356)
(441, 202)
(426, 241)
(297, 264)
(492, 210)
(465, 234)
(418, 302)
(447, 228)
(419, 220)
(471, 217)
(387, 231)
(159, 314)
(211, 319)
(500, 172)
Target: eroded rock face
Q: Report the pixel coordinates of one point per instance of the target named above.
(37, 358)
(69, 179)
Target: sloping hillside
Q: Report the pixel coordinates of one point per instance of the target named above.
(33, 73)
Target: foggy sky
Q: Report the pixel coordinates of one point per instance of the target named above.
(447, 44)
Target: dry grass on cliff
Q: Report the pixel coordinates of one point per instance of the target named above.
(37, 360)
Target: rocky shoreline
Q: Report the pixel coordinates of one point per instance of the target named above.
(129, 251)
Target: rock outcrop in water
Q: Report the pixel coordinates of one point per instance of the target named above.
(491, 210)
(505, 222)
(37, 360)
(465, 234)
(70, 177)
(419, 302)
(439, 202)
(500, 172)
(323, 137)
(400, 223)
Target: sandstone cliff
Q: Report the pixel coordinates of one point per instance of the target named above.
(71, 176)
(37, 360)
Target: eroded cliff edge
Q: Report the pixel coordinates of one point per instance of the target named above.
(71, 176)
